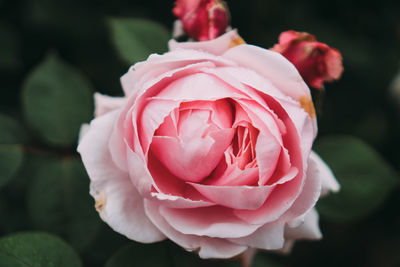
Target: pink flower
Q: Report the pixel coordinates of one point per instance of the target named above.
(202, 19)
(316, 62)
(211, 148)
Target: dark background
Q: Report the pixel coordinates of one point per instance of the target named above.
(366, 32)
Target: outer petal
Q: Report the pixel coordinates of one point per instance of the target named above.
(309, 229)
(117, 200)
(215, 46)
(104, 104)
(269, 236)
(277, 69)
(284, 195)
(271, 65)
(206, 246)
(210, 221)
(307, 199)
(324, 173)
(157, 65)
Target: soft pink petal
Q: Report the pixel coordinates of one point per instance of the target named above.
(202, 87)
(309, 229)
(254, 82)
(278, 70)
(269, 236)
(82, 131)
(179, 202)
(221, 111)
(210, 221)
(308, 197)
(232, 175)
(152, 116)
(304, 125)
(144, 109)
(163, 180)
(126, 130)
(156, 65)
(118, 202)
(284, 195)
(267, 154)
(269, 147)
(273, 66)
(324, 173)
(192, 159)
(207, 247)
(144, 182)
(236, 197)
(118, 145)
(215, 46)
(278, 202)
(264, 119)
(104, 104)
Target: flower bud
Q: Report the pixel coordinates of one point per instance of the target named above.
(316, 62)
(202, 19)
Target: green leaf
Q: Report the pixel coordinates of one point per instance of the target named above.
(13, 208)
(134, 254)
(365, 178)
(59, 202)
(36, 250)
(11, 131)
(136, 39)
(10, 160)
(57, 99)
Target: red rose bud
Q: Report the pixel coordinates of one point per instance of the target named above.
(316, 62)
(202, 19)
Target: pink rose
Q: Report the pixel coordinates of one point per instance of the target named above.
(211, 148)
(202, 19)
(316, 62)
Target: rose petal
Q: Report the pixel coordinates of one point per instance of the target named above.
(269, 236)
(236, 197)
(211, 221)
(156, 65)
(206, 246)
(104, 104)
(309, 229)
(273, 66)
(284, 195)
(325, 174)
(215, 46)
(232, 175)
(192, 159)
(178, 202)
(144, 182)
(202, 87)
(119, 203)
(126, 131)
(308, 197)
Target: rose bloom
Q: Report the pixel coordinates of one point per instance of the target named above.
(202, 19)
(211, 148)
(316, 61)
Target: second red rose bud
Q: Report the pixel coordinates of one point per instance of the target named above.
(316, 62)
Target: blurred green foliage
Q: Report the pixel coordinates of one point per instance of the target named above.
(36, 250)
(55, 54)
